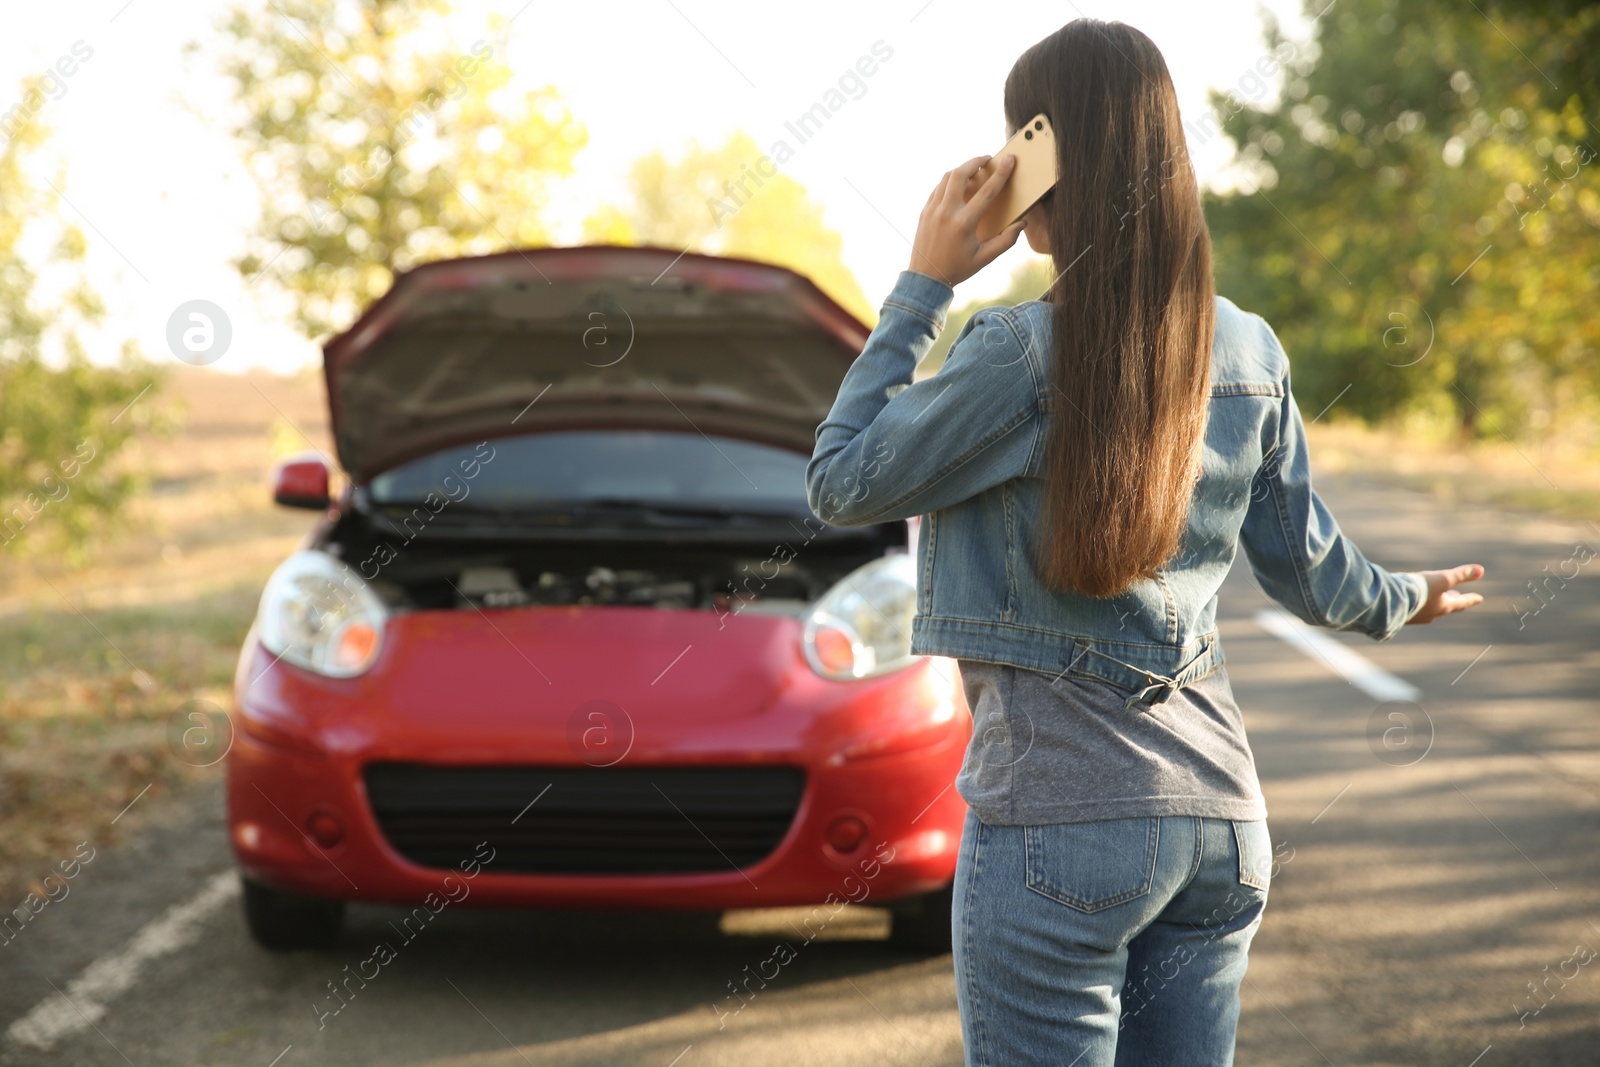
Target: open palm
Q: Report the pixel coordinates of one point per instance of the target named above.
(1443, 596)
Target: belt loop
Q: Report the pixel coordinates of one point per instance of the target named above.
(1156, 692)
(1158, 688)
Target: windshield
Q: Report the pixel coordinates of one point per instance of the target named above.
(647, 467)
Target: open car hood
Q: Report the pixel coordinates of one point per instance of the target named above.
(467, 349)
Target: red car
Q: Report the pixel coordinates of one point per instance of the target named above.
(571, 636)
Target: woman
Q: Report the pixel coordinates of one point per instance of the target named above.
(1087, 465)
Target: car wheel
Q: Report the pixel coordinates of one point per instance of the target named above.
(283, 921)
(922, 924)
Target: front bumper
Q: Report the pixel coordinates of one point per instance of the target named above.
(883, 751)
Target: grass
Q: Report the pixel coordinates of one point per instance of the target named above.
(97, 661)
(1548, 478)
(93, 714)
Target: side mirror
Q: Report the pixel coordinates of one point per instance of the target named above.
(301, 481)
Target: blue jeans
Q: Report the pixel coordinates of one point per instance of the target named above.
(1095, 944)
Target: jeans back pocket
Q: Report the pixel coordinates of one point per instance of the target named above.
(1092, 866)
(1255, 853)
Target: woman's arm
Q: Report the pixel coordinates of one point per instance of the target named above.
(1307, 564)
(1301, 557)
(892, 448)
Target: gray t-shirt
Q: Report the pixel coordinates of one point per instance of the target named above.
(1055, 750)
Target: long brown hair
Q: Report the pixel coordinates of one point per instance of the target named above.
(1133, 306)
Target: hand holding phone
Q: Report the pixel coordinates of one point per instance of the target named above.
(1034, 174)
(974, 213)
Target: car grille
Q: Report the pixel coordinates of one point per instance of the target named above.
(587, 820)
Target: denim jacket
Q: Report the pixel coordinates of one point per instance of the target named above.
(966, 447)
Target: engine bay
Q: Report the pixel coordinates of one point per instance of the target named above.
(704, 587)
(782, 566)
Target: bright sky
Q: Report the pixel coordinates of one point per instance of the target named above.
(161, 193)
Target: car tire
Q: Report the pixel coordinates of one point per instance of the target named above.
(283, 921)
(922, 924)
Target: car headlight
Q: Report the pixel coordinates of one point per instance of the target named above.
(862, 626)
(317, 613)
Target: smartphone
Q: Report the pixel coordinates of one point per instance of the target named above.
(1034, 146)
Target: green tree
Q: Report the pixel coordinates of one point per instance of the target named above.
(691, 203)
(62, 418)
(1419, 217)
(378, 147)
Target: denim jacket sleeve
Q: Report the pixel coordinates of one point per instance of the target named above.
(1300, 556)
(892, 448)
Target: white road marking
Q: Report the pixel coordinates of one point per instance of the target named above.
(108, 977)
(1344, 661)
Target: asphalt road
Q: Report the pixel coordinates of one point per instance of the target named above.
(1433, 894)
